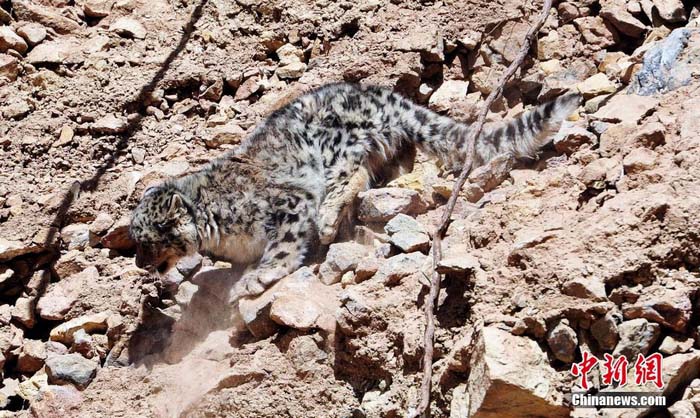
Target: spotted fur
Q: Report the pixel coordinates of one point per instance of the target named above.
(292, 180)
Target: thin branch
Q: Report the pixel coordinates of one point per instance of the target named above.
(422, 409)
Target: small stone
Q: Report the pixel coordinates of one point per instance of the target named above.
(683, 409)
(569, 139)
(33, 33)
(585, 288)
(291, 71)
(103, 221)
(23, 311)
(249, 87)
(600, 172)
(289, 54)
(138, 155)
(10, 40)
(596, 85)
(596, 31)
(470, 40)
(97, 8)
(366, 268)
(117, 238)
(380, 205)
(110, 125)
(230, 133)
(395, 268)
(213, 91)
(424, 92)
(449, 92)
(551, 66)
(65, 136)
(71, 368)
(341, 258)
(636, 337)
(407, 234)
(562, 341)
(671, 11)
(605, 330)
(623, 20)
(295, 312)
(425, 40)
(640, 159)
(492, 174)
(76, 236)
(47, 16)
(185, 293)
(128, 28)
(9, 67)
(32, 356)
(89, 323)
(671, 345)
(458, 260)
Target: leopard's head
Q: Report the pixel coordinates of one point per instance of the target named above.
(163, 228)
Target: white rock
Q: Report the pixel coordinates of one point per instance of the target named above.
(128, 27)
(449, 92)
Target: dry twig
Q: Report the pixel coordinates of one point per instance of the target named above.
(422, 409)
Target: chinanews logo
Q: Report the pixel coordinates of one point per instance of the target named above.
(646, 374)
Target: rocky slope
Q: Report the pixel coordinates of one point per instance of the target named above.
(594, 247)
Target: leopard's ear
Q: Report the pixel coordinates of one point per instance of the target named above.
(150, 190)
(176, 205)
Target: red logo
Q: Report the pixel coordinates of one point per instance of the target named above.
(614, 370)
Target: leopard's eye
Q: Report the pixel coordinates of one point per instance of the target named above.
(161, 226)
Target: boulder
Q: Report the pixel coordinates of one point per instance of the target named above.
(671, 11)
(636, 337)
(623, 20)
(71, 368)
(663, 68)
(511, 376)
(626, 108)
(671, 308)
(298, 288)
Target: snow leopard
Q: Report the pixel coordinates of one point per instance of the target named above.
(288, 185)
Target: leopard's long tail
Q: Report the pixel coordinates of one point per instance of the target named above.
(446, 138)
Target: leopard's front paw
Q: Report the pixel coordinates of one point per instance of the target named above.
(328, 227)
(256, 282)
